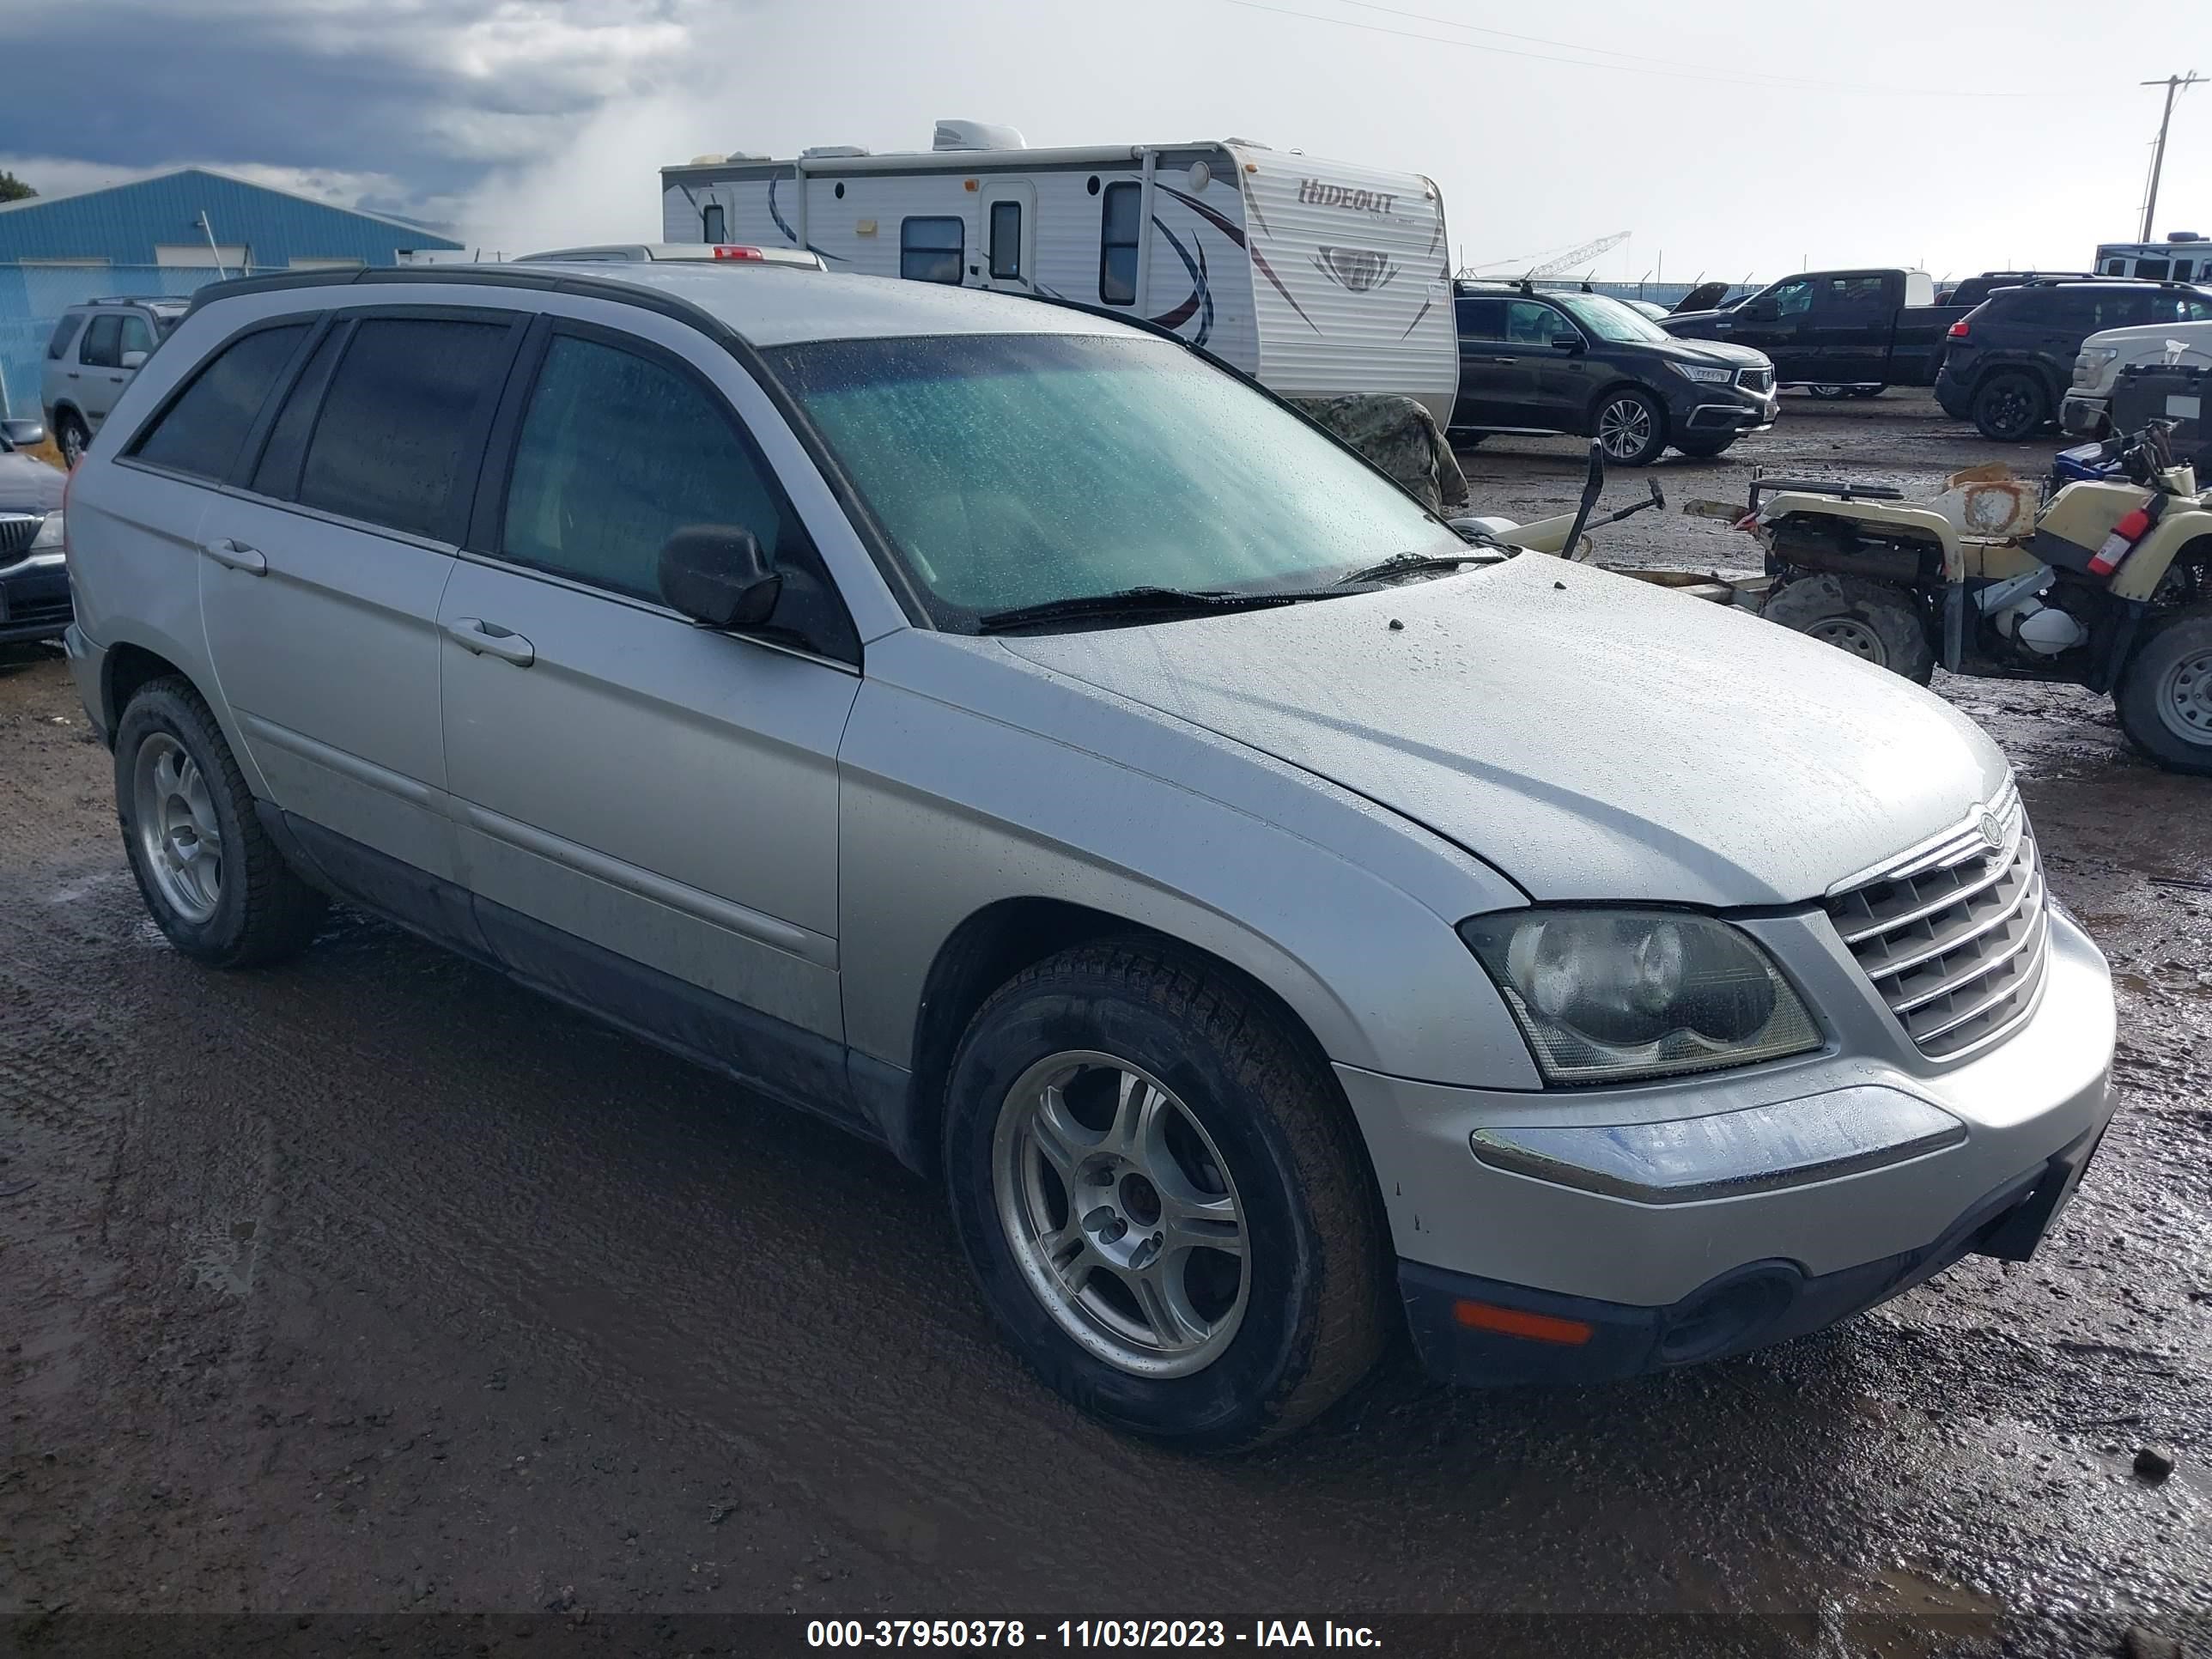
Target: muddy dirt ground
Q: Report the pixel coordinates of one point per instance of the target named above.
(373, 1286)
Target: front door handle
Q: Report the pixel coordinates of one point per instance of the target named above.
(490, 640)
(236, 556)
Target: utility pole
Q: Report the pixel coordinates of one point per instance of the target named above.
(2172, 83)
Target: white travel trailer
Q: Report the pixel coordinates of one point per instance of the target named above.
(1317, 277)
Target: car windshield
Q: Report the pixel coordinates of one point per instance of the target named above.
(1608, 319)
(1017, 470)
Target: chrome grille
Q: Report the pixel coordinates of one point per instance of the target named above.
(1755, 379)
(17, 532)
(1954, 935)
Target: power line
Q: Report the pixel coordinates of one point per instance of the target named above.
(1669, 67)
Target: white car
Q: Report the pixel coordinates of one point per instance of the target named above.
(2087, 409)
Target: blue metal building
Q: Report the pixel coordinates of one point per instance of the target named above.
(166, 235)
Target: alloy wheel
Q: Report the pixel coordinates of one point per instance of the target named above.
(179, 835)
(1121, 1213)
(1624, 427)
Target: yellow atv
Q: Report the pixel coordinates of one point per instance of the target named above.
(2102, 580)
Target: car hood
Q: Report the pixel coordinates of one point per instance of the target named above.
(1716, 351)
(1591, 736)
(28, 485)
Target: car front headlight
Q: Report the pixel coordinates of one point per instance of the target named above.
(49, 538)
(1615, 996)
(1701, 373)
(2090, 365)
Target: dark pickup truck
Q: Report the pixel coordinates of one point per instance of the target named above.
(1836, 328)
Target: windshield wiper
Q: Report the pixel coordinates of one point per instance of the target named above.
(1138, 602)
(1408, 564)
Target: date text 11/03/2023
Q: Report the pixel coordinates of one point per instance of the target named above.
(1085, 1633)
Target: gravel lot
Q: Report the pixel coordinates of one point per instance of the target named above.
(373, 1286)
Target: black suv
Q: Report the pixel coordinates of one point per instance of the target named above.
(2007, 362)
(1582, 363)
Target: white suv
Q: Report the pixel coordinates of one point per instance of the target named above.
(94, 351)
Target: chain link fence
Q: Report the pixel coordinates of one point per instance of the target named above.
(33, 298)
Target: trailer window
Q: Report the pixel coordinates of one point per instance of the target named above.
(930, 250)
(2152, 268)
(1117, 244)
(1005, 240)
(714, 222)
(2116, 267)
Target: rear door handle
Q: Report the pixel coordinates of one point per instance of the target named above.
(1505, 359)
(236, 556)
(490, 640)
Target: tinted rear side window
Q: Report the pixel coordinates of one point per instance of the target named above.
(201, 432)
(1481, 319)
(402, 408)
(103, 342)
(65, 331)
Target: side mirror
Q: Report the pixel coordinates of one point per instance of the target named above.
(1566, 343)
(24, 434)
(133, 359)
(717, 575)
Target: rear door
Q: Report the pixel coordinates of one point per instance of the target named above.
(320, 575)
(100, 377)
(648, 809)
(1494, 387)
(1846, 331)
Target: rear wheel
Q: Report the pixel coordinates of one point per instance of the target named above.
(2164, 698)
(1163, 1198)
(1873, 621)
(2010, 407)
(1868, 391)
(1630, 426)
(211, 877)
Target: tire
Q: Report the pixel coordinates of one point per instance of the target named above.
(1632, 426)
(1869, 391)
(1829, 393)
(1871, 620)
(2010, 407)
(2164, 698)
(1246, 1116)
(1704, 449)
(175, 782)
(70, 436)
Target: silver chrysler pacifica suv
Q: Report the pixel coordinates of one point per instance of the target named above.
(1275, 918)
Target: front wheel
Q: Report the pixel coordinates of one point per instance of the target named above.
(1163, 1198)
(2164, 698)
(210, 876)
(1630, 426)
(71, 437)
(1871, 620)
(1704, 449)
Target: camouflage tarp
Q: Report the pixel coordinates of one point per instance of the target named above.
(1399, 436)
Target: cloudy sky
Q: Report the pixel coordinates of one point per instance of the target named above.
(1731, 137)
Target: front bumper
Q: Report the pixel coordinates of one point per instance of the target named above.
(1715, 410)
(34, 598)
(2082, 416)
(1776, 1263)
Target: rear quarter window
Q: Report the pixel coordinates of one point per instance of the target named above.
(205, 426)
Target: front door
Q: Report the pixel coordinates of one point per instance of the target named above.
(319, 579)
(1009, 235)
(646, 809)
(1847, 331)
